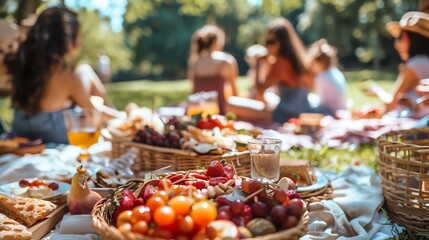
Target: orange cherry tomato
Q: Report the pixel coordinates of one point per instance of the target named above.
(154, 203)
(141, 213)
(164, 216)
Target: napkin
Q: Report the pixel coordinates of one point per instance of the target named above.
(76, 224)
(353, 212)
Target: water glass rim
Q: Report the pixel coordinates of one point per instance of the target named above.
(264, 141)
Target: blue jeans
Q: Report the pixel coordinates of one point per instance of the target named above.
(48, 126)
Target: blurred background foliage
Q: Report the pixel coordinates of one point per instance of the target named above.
(154, 40)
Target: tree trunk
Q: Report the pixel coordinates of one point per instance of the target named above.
(25, 8)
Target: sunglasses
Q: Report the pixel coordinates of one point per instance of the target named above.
(270, 42)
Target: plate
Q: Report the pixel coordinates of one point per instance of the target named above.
(7, 189)
(322, 181)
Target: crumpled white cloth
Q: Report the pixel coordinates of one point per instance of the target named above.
(50, 164)
(354, 211)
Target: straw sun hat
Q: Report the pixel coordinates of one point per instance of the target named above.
(417, 22)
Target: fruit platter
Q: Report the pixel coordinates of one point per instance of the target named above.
(212, 203)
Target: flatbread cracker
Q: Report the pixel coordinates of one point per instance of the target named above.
(25, 210)
(12, 230)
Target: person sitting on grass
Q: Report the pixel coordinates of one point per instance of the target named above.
(44, 82)
(411, 35)
(211, 69)
(330, 83)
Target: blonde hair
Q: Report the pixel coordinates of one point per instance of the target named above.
(324, 53)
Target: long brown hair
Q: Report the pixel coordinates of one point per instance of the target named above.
(45, 47)
(291, 47)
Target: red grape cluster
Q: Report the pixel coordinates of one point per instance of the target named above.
(283, 209)
(151, 137)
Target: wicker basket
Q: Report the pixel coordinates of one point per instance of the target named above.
(152, 158)
(404, 166)
(101, 221)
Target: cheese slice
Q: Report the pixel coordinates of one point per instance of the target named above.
(25, 210)
(12, 230)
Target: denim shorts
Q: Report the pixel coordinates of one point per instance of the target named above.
(48, 126)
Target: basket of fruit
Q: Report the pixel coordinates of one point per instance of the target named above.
(200, 204)
(404, 168)
(184, 147)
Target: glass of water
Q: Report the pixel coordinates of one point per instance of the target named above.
(265, 158)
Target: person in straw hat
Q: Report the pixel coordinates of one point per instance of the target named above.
(411, 35)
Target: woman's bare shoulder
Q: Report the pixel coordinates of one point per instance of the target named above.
(224, 57)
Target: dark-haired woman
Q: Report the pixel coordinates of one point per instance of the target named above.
(44, 82)
(286, 67)
(209, 68)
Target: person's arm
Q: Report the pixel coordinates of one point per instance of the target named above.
(406, 81)
(92, 83)
(231, 73)
(78, 94)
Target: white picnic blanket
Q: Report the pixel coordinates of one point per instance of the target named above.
(354, 211)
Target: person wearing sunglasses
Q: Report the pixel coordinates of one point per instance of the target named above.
(286, 67)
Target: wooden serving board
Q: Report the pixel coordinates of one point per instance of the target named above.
(41, 228)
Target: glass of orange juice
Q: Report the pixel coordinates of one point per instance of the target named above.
(83, 129)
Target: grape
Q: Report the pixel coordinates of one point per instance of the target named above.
(245, 185)
(247, 213)
(255, 185)
(293, 194)
(223, 216)
(278, 214)
(280, 195)
(239, 221)
(296, 202)
(224, 208)
(290, 222)
(293, 211)
(53, 185)
(260, 209)
(237, 208)
(24, 183)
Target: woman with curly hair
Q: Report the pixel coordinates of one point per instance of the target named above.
(44, 81)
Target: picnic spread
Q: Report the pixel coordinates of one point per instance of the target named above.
(207, 174)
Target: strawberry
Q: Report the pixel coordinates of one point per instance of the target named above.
(128, 193)
(198, 184)
(176, 177)
(214, 181)
(229, 170)
(148, 192)
(139, 201)
(215, 169)
(126, 203)
(199, 176)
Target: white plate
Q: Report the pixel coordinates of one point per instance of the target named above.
(321, 182)
(62, 188)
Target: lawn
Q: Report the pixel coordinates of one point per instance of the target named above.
(167, 93)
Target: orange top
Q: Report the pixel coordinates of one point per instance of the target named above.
(283, 72)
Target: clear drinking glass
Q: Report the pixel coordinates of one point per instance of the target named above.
(265, 158)
(83, 129)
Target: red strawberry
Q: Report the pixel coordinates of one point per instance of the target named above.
(148, 192)
(214, 181)
(177, 177)
(215, 169)
(128, 193)
(199, 176)
(229, 170)
(198, 184)
(139, 201)
(126, 203)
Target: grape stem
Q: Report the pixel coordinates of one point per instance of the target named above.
(252, 195)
